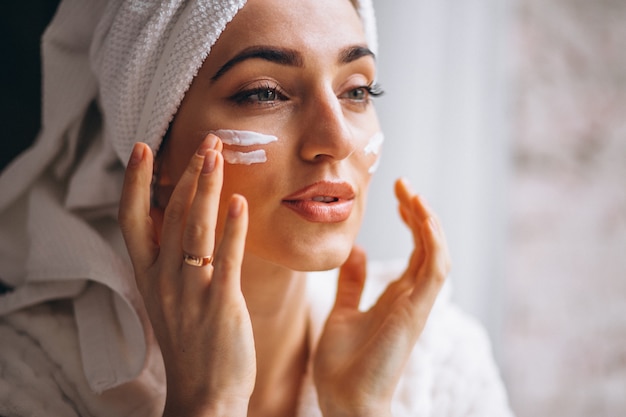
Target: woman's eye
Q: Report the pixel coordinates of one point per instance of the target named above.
(358, 94)
(261, 95)
(265, 95)
(363, 93)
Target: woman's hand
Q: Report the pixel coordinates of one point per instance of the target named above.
(198, 313)
(361, 355)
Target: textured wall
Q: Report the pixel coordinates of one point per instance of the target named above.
(565, 338)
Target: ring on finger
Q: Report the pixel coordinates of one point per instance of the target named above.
(197, 260)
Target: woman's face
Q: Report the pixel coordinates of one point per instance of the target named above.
(298, 71)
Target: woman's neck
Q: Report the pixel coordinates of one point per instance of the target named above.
(278, 310)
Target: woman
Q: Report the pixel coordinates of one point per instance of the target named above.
(262, 174)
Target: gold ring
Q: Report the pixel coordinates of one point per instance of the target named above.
(197, 260)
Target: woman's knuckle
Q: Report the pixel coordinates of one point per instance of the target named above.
(440, 275)
(194, 234)
(227, 266)
(175, 212)
(195, 165)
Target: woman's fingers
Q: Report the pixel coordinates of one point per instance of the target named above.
(412, 207)
(351, 280)
(430, 261)
(134, 212)
(177, 210)
(403, 192)
(199, 232)
(412, 214)
(229, 254)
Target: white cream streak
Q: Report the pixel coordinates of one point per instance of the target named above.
(244, 138)
(244, 158)
(374, 166)
(373, 148)
(374, 144)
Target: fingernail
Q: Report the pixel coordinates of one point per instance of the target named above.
(212, 141)
(135, 156)
(235, 207)
(209, 142)
(209, 162)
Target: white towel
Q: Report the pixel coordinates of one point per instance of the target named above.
(114, 73)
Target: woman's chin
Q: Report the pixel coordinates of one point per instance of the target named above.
(309, 259)
(324, 260)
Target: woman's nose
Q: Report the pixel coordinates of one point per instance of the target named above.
(325, 134)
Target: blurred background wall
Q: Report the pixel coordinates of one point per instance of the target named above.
(564, 344)
(509, 116)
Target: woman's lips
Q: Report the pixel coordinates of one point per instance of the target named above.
(322, 202)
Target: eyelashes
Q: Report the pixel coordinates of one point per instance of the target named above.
(363, 94)
(375, 90)
(263, 94)
(271, 94)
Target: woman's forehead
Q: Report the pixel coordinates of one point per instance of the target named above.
(315, 26)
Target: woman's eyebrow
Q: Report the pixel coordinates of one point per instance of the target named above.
(281, 56)
(352, 53)
(290, 57)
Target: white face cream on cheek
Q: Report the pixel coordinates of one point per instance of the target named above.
(244, 138)
(244, 158)
(373, 148)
